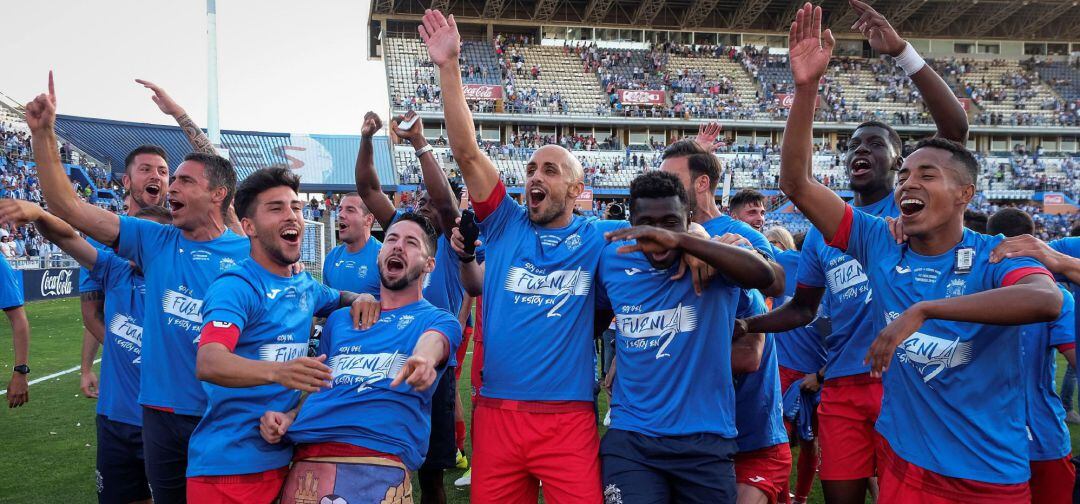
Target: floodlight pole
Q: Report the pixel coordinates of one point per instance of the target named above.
(212, 127)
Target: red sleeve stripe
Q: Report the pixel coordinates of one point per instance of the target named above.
(212, 332)
(843, 233)
(1015, 275)
(1065, 347)
(801, 285)
(487, 207)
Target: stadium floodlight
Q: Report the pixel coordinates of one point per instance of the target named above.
(213, 129)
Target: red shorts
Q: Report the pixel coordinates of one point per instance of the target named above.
(237, 489)
(476, 375)
(901, 482)
(787, 377)
(849, 407)
(516, 445)
(1052, 481)
(767, 469)
(462, 350)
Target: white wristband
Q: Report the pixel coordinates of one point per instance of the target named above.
(423, 150)
(910, 60)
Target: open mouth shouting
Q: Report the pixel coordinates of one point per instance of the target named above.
(291, 235)
(395, 265)
(861, 167)
(536, 196)
(911, 206)
(153, 189)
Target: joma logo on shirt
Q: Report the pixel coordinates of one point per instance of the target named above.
(281, 352)
(930, 355)
(179, 305)
(664, 324)
(125, 328)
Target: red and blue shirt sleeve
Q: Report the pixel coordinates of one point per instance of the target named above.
(861, 235)
(496, 213)
(225, 311)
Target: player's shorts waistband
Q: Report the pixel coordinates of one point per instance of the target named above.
(535, 406)
(259, 477)
(338, 450)
(844, 381)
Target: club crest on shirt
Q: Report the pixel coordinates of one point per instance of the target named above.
(404, 321)
(930, 355)
(573, 242)
(364, 370)
(362, 271)
(226, 263)
(656, 328)
(955, 288)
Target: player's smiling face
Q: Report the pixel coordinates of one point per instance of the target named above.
(871, 159)
(931, 188)
(551, 185)
(190, 198)
(666, 213)
(276, 224)
(354, 221)
(147, 179)
(404, 255)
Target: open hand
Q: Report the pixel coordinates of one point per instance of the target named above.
(808, 49)
(884, 346)
(440, 34)
(308, 374)
(708, 134)
(15, 212)
(162, 99)
(365, 311)
(877, 30)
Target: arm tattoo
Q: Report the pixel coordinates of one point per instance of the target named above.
(199, 141)
(92, 296)
(347, 298)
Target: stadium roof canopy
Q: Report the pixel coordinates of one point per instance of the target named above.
(1047, 20)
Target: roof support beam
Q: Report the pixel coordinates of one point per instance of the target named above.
(442, 6)
(698, 13)
(545, 10)
(493, 9)
(1026, 26)
(943, 16)
(901, 11)
(384, 6)
(748, 12)
(647, 12)
(597, 10)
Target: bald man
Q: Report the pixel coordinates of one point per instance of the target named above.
(534, 418)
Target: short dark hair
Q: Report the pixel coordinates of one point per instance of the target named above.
(894, 137)
(699, 160)
(260, 181)
(220, 173)
(799, 238)
(144, 149)
(746, 197)
(959, 153)
(154, 212)
(975, 221)
(1010, 222)
(425, 224)
(658, 184)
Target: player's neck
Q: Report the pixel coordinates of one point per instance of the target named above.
(357, 245)
(391, 299)
(263, 259)
(938, 241)
(706, 210)
(210, 230)
(870, 197)
(560, 221)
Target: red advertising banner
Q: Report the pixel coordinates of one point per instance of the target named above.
(479, 92)
(786, 100)
(584, 200)
(641, 97)
(966, 103)
(1053, 199)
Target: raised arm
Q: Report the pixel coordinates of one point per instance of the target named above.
(98, 223)
(745, 268)
(368, 185)
(20, 212)
(809, 52)
(438, 188)
(1034, 298)
(944, 107)
(198, 140)
(444, 44)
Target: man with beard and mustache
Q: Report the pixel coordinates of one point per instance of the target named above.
(942, 309)
(534, 419)
(253, 347)
(445, 287)
(146, 173)
(179, 262)
(850, 397)
(120, 464)
(352, 265)
(361, 438)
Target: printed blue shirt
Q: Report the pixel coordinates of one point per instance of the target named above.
(802, 348)
(759, 402)
(1045, 414)
(11, 294)
(356, 272)
(121, 354)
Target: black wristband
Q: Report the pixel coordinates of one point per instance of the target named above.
(468, 259)
(820, 376)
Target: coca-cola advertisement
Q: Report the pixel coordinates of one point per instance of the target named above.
(50, 283)
(482, 92)
(641, 97)
(787, 99)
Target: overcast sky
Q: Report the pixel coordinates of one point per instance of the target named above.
(283, 66)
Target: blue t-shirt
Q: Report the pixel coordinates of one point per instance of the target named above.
(723, 224)
(673, 348)
(356, 272)
(86, 282)
(849, 296)
(539, 305)
(802, 348)
(11, 294)
(1071, 247)
(759, 402)
(1045, 414)
(360, 408)
(942, 373)
(178, 271)
(121, 353)
(273, 314)
(442, 287)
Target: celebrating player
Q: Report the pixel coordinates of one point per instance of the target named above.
(943, 303)
(179, 261)
(748, 206)
(360, 439)
(253, 347)
(672, 433)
